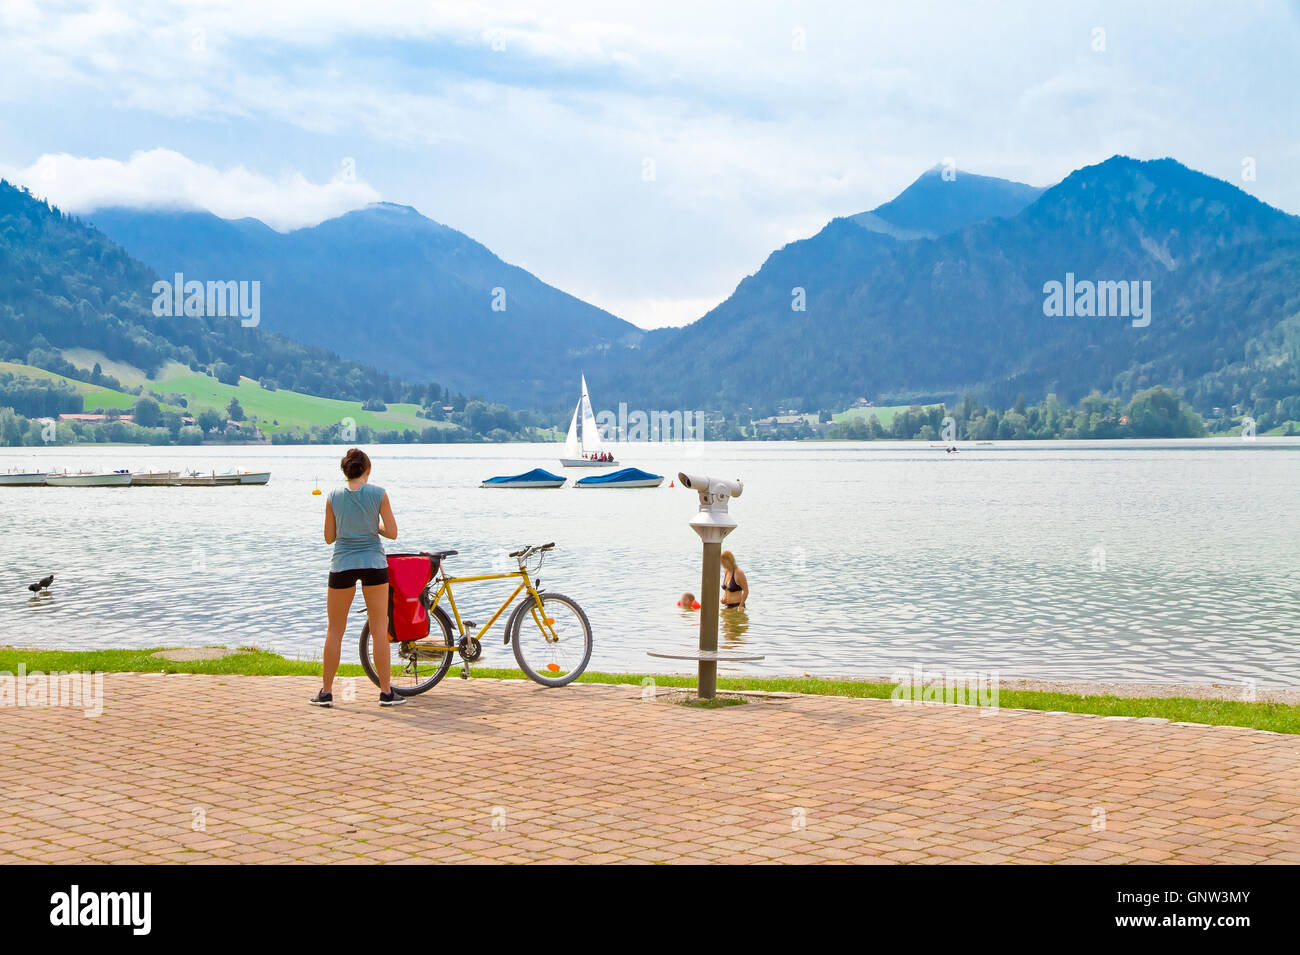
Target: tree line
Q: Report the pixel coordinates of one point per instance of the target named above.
(1153, 413)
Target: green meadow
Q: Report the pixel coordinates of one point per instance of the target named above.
(884, 414)
(273, 411)
(96, 397)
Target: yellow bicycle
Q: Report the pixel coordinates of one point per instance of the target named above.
(549, 632)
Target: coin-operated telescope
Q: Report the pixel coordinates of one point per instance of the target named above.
(713, 522)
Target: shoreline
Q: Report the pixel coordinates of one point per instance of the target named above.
(1122, 689)
(1265, 439)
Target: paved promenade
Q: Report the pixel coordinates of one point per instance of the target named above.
(185, 768)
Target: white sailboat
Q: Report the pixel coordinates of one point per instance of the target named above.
(582, 447)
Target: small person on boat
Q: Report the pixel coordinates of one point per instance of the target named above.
(356, 516)
(735, 585)
(688, 602)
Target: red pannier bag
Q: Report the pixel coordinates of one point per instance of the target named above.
(408, 575)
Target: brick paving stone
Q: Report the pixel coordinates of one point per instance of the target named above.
(594, 774)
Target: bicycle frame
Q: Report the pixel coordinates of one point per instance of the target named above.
(526, 584)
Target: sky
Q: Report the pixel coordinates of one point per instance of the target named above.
(645, 157)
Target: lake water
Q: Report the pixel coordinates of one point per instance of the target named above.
(1166, 561)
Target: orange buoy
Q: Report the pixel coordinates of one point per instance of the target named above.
(550, 621)
(553, 667)
(317, 491)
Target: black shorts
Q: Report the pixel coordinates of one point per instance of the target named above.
(347, 579)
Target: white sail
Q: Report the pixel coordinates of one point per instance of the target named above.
(571, 446)
(590, 433)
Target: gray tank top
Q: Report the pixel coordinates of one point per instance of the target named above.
(356, 519)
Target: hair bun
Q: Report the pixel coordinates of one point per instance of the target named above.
(354, 464)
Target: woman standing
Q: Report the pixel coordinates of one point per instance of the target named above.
(735, 585)
(356, 516)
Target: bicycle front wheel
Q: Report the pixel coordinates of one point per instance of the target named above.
(414, 665)
(552, 642)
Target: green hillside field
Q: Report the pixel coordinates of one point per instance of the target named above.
(884, 414)
(273, 411)
(96, 397)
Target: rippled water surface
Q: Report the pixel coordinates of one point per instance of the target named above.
(1125, 561)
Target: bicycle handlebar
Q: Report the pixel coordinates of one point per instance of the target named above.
(534, 549)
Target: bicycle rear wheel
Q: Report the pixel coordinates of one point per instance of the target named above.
(414, 665)
(552, 643)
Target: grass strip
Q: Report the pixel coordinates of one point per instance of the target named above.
(1277, 717)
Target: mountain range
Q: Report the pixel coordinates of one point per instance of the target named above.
(928, 297)
(940, 292)
(392, 289)
(64, 285)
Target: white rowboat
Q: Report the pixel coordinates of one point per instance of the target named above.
(89, 479)
(22, 478)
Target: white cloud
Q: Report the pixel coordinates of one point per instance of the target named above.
(652, 312)
(536, 149)
(162, 178)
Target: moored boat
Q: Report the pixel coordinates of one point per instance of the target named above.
(212, 479)
(627, 477)
(537, 477)
(14, 478)
(89, 479)
(254, 477)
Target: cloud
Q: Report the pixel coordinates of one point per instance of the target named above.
(652, 312)
(163, 178)
(528, 126)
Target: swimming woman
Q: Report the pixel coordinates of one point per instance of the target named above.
(356, 516)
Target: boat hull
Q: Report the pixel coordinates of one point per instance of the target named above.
(533, 484)
(255, 477)
(32, 479)
(639, 482)
(584, 463)
(88, 480)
